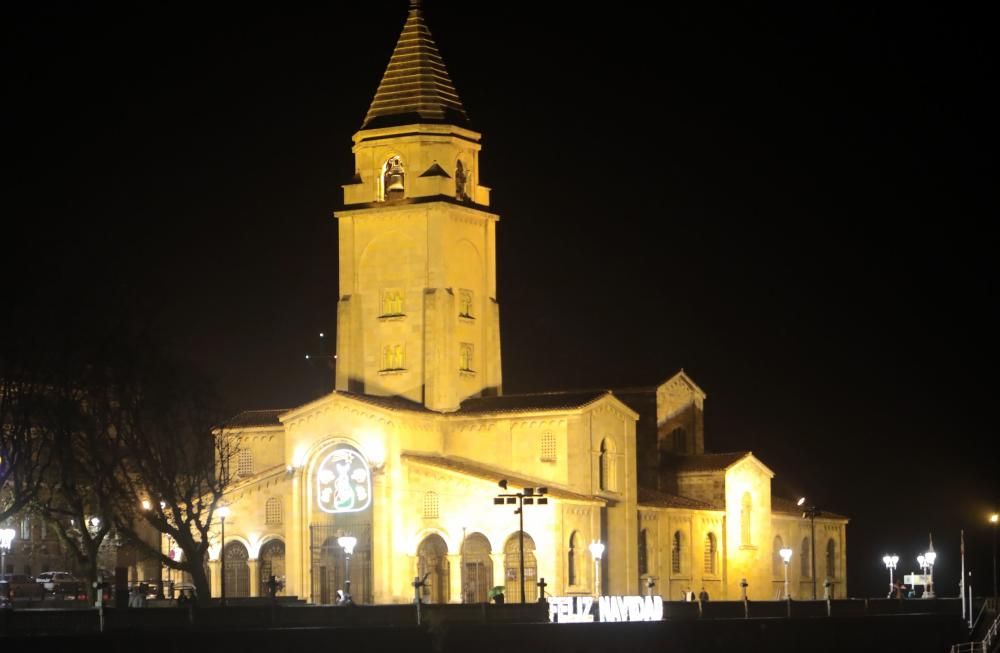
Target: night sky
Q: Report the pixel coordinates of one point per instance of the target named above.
(791, 204)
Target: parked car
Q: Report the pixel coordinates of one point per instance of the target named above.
(62, 584)
(21, 586)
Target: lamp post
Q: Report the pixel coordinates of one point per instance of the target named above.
(890, 564)
(786, 557)
(994, 518)
(809, 512)
(6, 539)
(223, 513)
(927, 562)
(597, 550)
(527, 496)
(347, 542)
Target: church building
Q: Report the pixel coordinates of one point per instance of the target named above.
(407, 455)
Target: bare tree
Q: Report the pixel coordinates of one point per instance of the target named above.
(173, 472)
(25, 450)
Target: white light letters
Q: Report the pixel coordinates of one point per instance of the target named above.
(578, 609)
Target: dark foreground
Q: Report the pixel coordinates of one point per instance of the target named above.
(448, 629)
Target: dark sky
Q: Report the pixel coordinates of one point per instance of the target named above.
(791, 204)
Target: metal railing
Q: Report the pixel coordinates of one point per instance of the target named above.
(984, 646)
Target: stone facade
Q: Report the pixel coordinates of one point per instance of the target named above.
(407, 452)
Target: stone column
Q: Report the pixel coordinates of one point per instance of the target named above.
(455, 577)
(254, 576)
(295, 532)
(215, 577)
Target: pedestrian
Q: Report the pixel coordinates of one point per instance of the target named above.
(703, 595)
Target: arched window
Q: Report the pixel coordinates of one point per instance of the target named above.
(393, 357)
(776, 562)
(679, 437)
(237, 570)
(548, 447)
(710, 551)
(745, 510)
(272, 563)
(432, 560)
(272, 512)
(831, 559)
(512, 570)
(431, 505)
(392, 302)
(477, 569)
(607, 466)
(805, 558)
(675, 553)
(245, 465)
(465, 357)
(574, 559)
(393, 179)
(643, 553)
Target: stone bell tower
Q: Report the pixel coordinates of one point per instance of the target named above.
(417, 315)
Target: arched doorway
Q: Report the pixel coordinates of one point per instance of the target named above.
(237, 570)
(432, 562)
(272, 563)
(477, 569)
(512, 571)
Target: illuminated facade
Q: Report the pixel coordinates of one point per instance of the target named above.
(407, 452)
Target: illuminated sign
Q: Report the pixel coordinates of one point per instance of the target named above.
(578, 609)
(343, 482)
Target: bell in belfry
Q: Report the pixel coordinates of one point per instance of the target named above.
(393, 179)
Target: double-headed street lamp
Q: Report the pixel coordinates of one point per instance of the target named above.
(786, 557)
(926, 562)
(347, 542)
(526, 497)
(890, 564)
(223, 512)
(597, 550)
(6, 539)
(810, 512)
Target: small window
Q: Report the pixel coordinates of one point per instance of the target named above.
(679, 437)
(431, 505)
(272, 512)
(710, 549)
(643, 555)
(675, 554)
(831, 559)
(745, 510)
(606, 466)
(392, 357)
(465, 357)
(465, 303)
(392, 302)
(244, 466)
(548, 447)
(574, 558)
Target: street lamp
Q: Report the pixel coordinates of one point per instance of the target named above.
(597, 550)
(786, 556)
(347, 542)
(890, 564)
(994, 518)
(527, 496)
(926, 561)
(223, 512)
(809, 512)
(6, 539)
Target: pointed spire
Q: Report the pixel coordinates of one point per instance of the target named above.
(416, 86)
